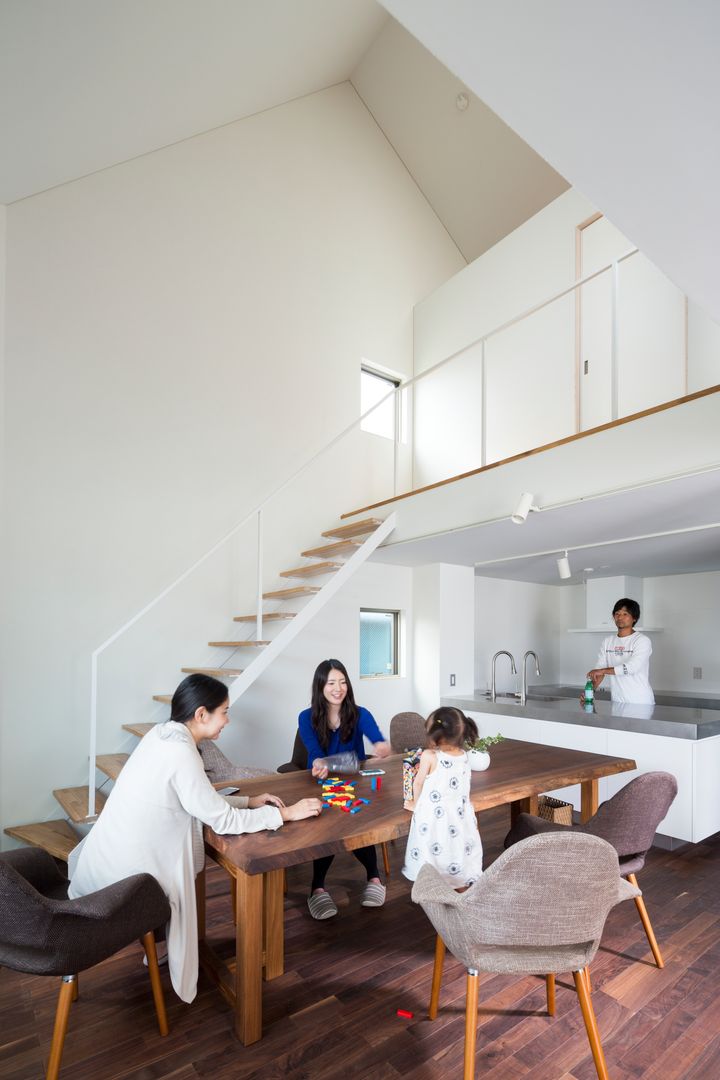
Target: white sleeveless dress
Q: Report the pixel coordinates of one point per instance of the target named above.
(444, 829)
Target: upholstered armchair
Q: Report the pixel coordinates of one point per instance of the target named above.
(407, 731)
(628, 821)
(539, 909)
(44, 933)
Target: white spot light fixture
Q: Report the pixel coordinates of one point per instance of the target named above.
(523, 508)
(563, 565)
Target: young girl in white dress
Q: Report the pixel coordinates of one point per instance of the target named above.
(444, 830)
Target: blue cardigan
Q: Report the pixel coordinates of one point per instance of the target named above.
(365, 726)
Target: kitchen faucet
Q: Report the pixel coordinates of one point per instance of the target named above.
(523, 684)
(513, 669)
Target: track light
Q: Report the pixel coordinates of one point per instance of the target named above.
(563, 565)
(523, 508)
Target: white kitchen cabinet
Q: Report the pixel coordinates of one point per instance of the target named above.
(575, 737)
(662, 754)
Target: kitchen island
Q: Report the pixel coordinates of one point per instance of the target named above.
(679, 739)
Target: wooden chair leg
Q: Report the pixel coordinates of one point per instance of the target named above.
(550, 988)
(590, 1024)
(587, 979)
(386, 860)
(62, 1014)
(157, 990)
(437, 977)
(471, 1004)
(647, 925)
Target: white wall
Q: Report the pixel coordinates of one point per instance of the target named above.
(443, 631)
(264, 720)
(184, 330)
(686, 606)
(531, 366)
(517, 616)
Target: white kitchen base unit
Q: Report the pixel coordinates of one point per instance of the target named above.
(695, 813)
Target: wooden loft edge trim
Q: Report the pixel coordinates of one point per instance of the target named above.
(539, 449)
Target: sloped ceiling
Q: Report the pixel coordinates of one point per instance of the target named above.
(86, 84)
(480, 178)
(623, 98)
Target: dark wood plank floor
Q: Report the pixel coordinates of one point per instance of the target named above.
(333, 1013)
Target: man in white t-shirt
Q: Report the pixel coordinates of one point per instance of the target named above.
(625, 657)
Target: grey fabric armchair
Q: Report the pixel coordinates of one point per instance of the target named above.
(407, 731)
(539, 909)
(628, 821)
(44, 933)
(220, 770)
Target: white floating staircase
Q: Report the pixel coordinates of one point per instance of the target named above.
(353, 543)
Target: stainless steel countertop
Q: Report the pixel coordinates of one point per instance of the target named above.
(673, 721)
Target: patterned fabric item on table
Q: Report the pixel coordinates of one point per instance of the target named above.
(410, 765)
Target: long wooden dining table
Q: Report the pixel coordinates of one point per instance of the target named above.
(256, 862)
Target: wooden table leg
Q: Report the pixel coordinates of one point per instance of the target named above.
(248, 958)
(200, 904)
(588, 799)
(273, 924)
(523, 806)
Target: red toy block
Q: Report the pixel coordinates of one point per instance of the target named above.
(405, 1014)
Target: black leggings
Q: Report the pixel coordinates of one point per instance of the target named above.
(366, 855)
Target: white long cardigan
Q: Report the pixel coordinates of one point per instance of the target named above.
(152, 823)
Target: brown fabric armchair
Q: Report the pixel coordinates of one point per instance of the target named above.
(44, 933)
(628, 821)
(407, 731)
(539, 909)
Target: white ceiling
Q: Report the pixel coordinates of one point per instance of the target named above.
(86, 84)
(529, 552)
(481, 179)
(623, 98)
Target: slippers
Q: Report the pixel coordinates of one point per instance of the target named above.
(374, 895)
(322, 906)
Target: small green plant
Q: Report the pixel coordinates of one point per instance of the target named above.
(484, 744)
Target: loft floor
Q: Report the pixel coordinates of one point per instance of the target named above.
(333, 1013)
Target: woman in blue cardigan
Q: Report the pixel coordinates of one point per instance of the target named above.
(332, 725)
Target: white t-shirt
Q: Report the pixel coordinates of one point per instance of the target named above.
(629, 657)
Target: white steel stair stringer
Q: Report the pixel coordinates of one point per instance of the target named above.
(311, 609)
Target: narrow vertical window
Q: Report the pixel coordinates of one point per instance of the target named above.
(375, 386)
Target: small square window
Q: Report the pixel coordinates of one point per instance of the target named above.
(378, 642)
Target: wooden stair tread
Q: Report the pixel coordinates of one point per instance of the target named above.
(111, 764)
(56, 837)
(141, 730)
(273, 616)
(216, 672)
(289, 594)
(74, 801)
(312, 570)
(238, 644)
(340, 548)
(358, 528)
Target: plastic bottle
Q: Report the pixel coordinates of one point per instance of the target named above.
(589, 692)
(345, 762)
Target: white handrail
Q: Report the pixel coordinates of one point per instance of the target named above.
(293, 476)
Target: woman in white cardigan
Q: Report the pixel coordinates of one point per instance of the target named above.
(152, 822)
